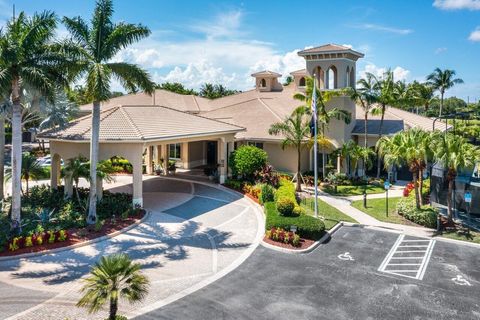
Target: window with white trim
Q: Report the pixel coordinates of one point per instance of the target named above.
(174, 151)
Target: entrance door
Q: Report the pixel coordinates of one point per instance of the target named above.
(212, 152)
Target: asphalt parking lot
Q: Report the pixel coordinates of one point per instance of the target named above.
(359, 274)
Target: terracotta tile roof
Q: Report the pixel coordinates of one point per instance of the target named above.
(395, 120)
(300, 72)
(266, 73)
(142, 123)
(329, 48)
(189, 103)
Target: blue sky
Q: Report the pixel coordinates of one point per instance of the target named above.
(224, 41)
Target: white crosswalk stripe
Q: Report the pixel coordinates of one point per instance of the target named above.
(408, 257)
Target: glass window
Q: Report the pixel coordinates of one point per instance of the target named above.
(256, 144)
(174, 151)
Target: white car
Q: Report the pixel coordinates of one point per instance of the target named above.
(47, 161)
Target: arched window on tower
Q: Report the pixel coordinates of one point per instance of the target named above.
(347, 78)
(301, 83)
(331, 78)
(352, 78)
(263, 83)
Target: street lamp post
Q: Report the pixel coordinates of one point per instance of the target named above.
(386, 185)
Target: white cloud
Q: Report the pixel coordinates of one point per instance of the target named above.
(195, 74)
(457, 4)
(377, 27)
(475, 35)
(399, 73)
(283, 64)
(226, 25)
(440, 50)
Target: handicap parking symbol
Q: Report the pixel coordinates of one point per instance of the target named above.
(461, 281)
(346, 256)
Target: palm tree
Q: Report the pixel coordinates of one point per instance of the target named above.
(31, 170)
(384, 96)
(442, 80)
(296, 132)
(93, 47)
(423, 94)
(455, 153)
(406, 148)
(58, 114)
(114, 277)
(75, 169)
(324, 116)
(2, 147)
(28, 58)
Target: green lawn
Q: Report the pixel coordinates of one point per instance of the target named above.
(331, 214)
(472, 237)
(353, 190)
(376, 209)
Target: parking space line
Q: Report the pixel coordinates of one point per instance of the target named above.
(398, 254)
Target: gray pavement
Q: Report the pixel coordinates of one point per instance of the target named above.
(193, 233)
(340, 280)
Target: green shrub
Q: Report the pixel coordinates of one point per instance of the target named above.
(234, 184)
(298, 210)
(425, 216)
(247, 160)
(285, 206)
(339, 179)
(307, 226)
(267, 193)
(286, 190)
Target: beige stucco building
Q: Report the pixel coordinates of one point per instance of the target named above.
(196, 131)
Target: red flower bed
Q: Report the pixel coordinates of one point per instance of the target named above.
(283, 236)
(57, 239)
(408, 188)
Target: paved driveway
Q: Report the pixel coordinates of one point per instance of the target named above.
(341, 280)
(194, 234)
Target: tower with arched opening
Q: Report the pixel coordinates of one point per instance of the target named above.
(334, 68)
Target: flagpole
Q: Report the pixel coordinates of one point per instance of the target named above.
(315, 151)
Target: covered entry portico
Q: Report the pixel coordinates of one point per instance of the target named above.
(143, 135)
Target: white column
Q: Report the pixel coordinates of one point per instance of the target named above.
(137, 180)
(184, 155)
(148, 160)
(68, 181)
(339, 164)
(158, 155)
(222, 155)
(165, 158)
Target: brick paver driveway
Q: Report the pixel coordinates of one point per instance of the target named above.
(194, 234)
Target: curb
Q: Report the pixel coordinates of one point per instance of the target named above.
(328, 234)
(80, 244)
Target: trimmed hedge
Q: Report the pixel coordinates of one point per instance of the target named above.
(307, 226)
(425, 216)
(286, 190)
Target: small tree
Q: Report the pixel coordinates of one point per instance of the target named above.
(296, 132)
(114, 277)
(455, 153)
(247, 160)
(31, 170)
(75, 169)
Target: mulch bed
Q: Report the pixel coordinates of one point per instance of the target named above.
(304, 244)
(76, 235)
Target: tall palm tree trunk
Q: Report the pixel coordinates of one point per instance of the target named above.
(299, 163)
(420, 185)
(441, 104)
(2, 156)
(449, 199)
(113, 308)
(92, 207)
(415, 184)
(380, 133)
(365, 143)
(16, 152)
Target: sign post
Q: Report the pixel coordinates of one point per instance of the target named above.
(386, 185)
(468, 202)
